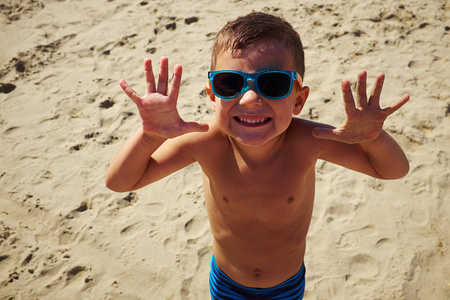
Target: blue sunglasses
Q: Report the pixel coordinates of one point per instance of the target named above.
(271, 84)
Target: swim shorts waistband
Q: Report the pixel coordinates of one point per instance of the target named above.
(222, 287)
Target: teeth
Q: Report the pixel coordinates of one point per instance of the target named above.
(253, 121)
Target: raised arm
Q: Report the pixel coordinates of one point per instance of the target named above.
(160, 121)
(364, 126)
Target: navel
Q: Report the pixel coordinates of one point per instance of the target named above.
(257, 273)
(291, 200)
(225, 199)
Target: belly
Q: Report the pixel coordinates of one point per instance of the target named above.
(263, 244)
(260, 229)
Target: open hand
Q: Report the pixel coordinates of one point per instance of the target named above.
(365, 118)
(158, 107)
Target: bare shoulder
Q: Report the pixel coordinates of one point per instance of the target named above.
(178, 152)
(199, 144)
(304, 127)
(198, 139)
(300, 133)
(307, 123)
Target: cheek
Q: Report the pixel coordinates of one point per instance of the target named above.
(284, 109)
(284, 114)
(221, 112)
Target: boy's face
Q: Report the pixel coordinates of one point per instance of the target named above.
(251, 119)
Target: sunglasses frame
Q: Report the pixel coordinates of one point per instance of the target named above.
(293, 75)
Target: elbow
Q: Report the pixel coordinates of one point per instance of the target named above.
(404, 171)
(115, 183)
(116, 187)
(109, 183)
(112, 187)
(399, 173)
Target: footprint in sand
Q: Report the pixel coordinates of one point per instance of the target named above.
(162, 234)
(196, 226)
(340, 212)
(187, 263)
(352, 239)
(156, 209)
(419, 213)
(170, 245)
(385, 246)
(185, 287)
(130, 230)
(363, 266)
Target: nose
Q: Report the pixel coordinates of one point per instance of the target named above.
(250, 97)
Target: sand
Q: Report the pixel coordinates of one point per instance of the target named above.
(64, 235)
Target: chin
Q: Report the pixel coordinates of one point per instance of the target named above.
(254, 141)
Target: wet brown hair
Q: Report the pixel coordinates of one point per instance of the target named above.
(254, 28)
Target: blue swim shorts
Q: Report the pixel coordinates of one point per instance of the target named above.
(223, 287)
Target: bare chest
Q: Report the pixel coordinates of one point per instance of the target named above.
(272, 192)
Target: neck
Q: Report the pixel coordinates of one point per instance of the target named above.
(257, 155)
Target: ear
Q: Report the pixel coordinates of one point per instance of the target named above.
(300, 100)
(211, 95)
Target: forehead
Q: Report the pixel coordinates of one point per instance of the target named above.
(271, 55)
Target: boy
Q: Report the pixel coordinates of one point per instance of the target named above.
(257, 160)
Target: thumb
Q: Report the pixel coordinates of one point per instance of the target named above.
(325, 133)
(195, 127)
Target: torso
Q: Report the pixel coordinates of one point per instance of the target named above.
(260, 213)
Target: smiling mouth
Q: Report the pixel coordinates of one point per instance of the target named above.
(252, 122)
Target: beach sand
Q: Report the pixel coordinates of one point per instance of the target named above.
(64, 235)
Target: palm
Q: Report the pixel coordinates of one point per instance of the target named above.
(365, 118)
(158, 107)
(159, 115)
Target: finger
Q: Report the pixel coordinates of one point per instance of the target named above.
(361, 89)
(396, 105)
(349, 102)
(163, 78)
(176, 82)
(374, 99)
(129, 91)
(149, 76)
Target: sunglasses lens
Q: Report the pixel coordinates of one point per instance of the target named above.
(274, 85)
(228, 84)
